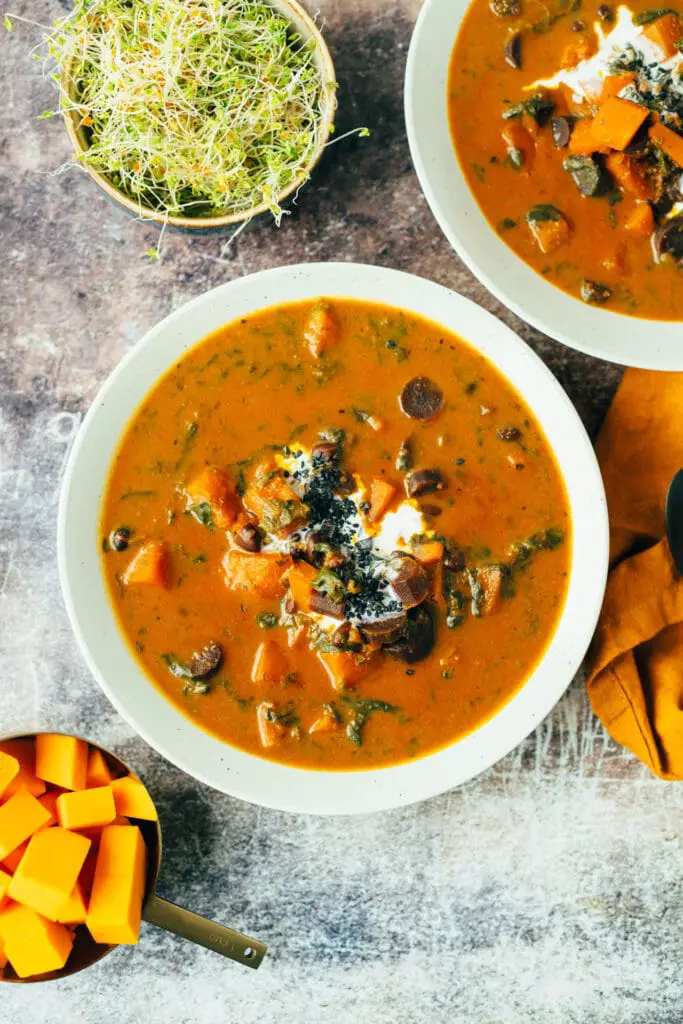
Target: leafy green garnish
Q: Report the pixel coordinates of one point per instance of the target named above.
(202, 512)
(543, 212)
(329, 583)
(181, 670)
(361, 709)
(539, 106)
(267, 620)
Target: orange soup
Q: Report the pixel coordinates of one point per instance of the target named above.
(335, 536)
(567, 118)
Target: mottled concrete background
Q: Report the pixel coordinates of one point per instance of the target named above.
(546, 892)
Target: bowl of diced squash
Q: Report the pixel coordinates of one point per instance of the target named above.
(80, 850)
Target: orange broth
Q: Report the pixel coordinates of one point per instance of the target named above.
(254, 384)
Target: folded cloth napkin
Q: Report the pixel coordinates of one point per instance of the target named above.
(635, 666)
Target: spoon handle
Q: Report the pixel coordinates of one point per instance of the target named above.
(207, 933)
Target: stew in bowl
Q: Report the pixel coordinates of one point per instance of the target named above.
(307, 525)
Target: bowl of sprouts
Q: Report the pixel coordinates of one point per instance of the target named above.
(194, 114)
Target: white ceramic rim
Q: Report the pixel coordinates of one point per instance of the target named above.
(154, 717)
(650, 344)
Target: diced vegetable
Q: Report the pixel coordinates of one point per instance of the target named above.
(665, 32)
(87, 808)
(279, 508)
(9, 769)
(490, 579)
(75, 909)
(132, 799)
(629, 175)
(640, 220)
(48, 871)
(583, 141)
(150, 566)
(548, 226)
(668, 141)
(271, 726)
(213, 487)
(20, 817)
(270, 664)
(617, 121)
(98, 773)
(115, 906)
(321, 331)
(517, 139)
(613, 84)
(382, 494)
(25, 753)
(32, 944)
(61, 760)
(261, 574)
(328, 721)
(301, 577)
(344, 668)
(430, 554)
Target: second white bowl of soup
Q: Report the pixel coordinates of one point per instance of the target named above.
(333, 538)
(548, 141)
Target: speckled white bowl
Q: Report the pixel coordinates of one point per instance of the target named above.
(653, 344)
(155, 718)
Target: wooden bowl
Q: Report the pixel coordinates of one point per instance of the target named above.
(307, 29)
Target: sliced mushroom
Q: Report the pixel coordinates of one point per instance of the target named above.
(248, 537)
(668, 239)
(513, 51)
(424, 481)
(324, 605)
(206, 662)
(325, 453)
(605, 12)
(561, 128)
(409, 579)
(586, 172)
(421, 399)
(416, 639)
(119, 538)
(385, 630)
(594, 292)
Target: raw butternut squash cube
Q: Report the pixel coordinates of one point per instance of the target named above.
(666, 33)
(212, 487)
(9, 769)
(24, 751)
(150, 566)
(669, 141)
(98, 773)
(13, 859)
(3, 958)
(5, 880)
(270, 664)
(88, 808)
(49, 870)
(20, 817)
(617, 121)
(75, 910)
(32, 944)
(61, 760)
(87, 874)
(115, 907)
(49, 802)
(262, 574)
(132, 799)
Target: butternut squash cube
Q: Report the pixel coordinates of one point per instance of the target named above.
(89, 808)
(5, 880)
(13, 859)
(381, 496)
(98, 773)
(669, 141)
(150, 566)
(640, 220)
(49, 802)
(115, 906)
(321, 330)
(132, 799)
(24, 751)
(344, 669)
(9, 769)
(260, 574)
(32, 944)
(301, 577)
(270, 664)
(61, 760)
(49, 870)
(617, 121)
(20, 817)
(665, 32)
(75, 910)
(212, 486)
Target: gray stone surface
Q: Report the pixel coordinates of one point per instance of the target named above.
(546, 892)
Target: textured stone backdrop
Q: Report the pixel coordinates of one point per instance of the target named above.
(546, 892)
